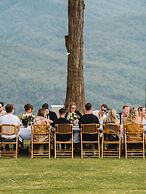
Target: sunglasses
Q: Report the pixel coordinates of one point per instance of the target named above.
(104, 110)
(72, 107)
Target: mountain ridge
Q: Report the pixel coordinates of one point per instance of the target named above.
(33, 58)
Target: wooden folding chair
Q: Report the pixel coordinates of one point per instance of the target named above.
(63, 140)
(90, 140)
(9, 140)
(134, 140)
(40, 141)
(111, 140)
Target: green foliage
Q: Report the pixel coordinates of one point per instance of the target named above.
(33, 59)
(72, 176)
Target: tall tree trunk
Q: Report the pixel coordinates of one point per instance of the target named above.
(74, 45)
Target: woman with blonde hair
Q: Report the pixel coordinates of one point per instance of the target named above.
(112, 117)
(133, 117)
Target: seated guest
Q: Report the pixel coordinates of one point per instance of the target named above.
(10, 118)
(41, 120)
(62, 120)
(50, 115)
(101, 114)
(124, 114)
(73, 115)
(89, 118)
(133, 117)
(2, 111)
(142, 114)
(27, 118)
(112, 117)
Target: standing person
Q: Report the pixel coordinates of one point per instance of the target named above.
(101, 114)
(50, 115)
(2, 111)
(27, 118)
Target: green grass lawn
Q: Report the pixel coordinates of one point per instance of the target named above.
(26, 175)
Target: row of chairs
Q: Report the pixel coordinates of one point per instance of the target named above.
(93, 143)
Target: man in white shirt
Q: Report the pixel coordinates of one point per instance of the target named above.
(101, 114)
(10, 118)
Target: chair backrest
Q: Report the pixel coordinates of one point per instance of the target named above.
(40, 129)
(90, 128)
(111, 128)
(134, 128)
(7, 129)
(64, 128)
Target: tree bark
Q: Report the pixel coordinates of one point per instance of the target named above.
(74, 46)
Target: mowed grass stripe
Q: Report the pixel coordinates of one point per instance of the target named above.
(77, 175)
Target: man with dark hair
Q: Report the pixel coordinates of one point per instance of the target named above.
(2, 112)
(101, 114)
(62, 120)
(10, 118)
(88, 117)
(124, 113)
(27, 117)
(50, 114)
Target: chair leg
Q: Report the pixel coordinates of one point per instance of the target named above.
(143, 150)
(49, 150)
(102, 148)
(32, 150)
(16, 150)
(81, 150)
(98, 149)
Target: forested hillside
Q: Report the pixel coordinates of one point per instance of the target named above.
(33, 58)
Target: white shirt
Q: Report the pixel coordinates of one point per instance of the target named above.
(144, 122)
(10, 119)
(101, 118)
